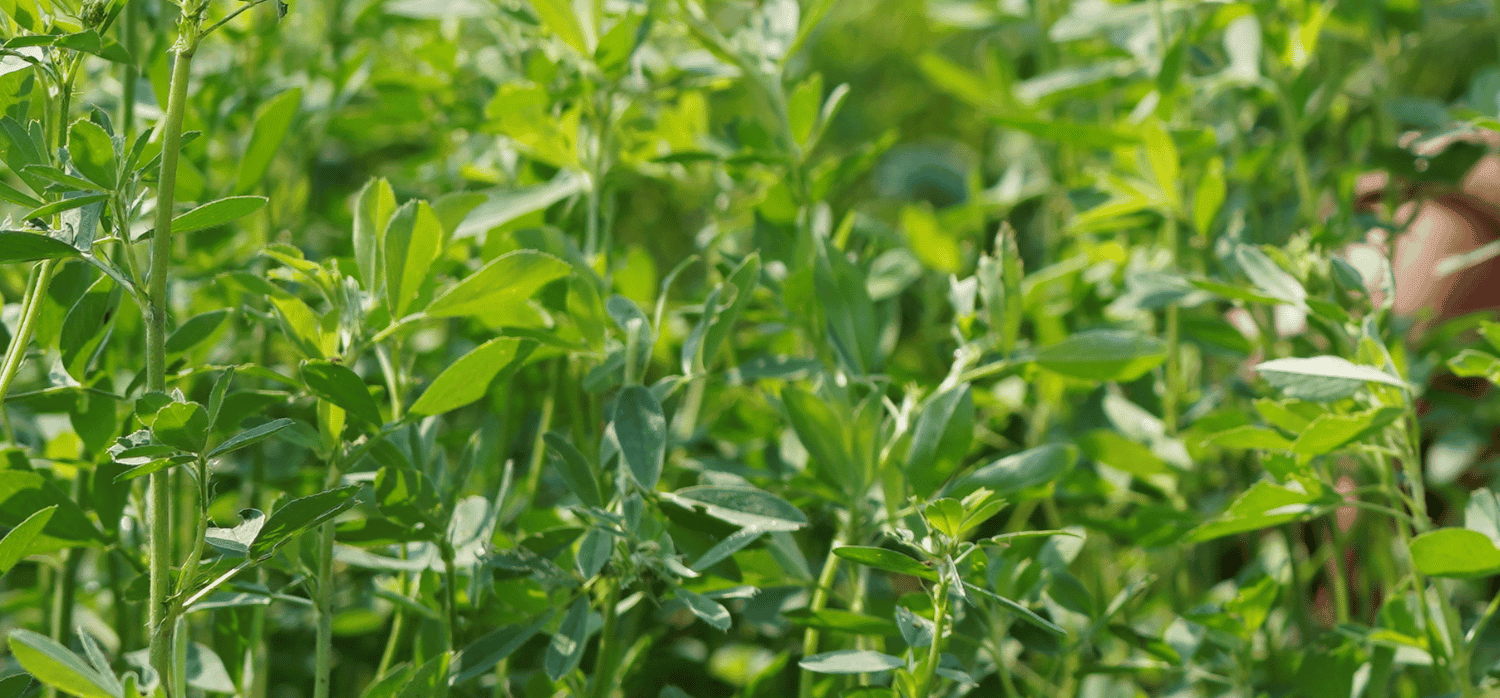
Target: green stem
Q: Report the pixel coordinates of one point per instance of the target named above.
(323, 604)
(1172, 371)
(450, 604)
(31, 308)
(819, 601)
(935, 650)
(609, 644)
(156, 347)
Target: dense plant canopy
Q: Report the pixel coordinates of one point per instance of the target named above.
(741, 348)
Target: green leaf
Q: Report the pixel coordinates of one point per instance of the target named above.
(69, 202)
(1262, 506)
(250, 437)
(236, 541)
(946, 515)
(469, 378)
(888, 560)
(1250, 437)
(1020, 471)
(93, 152)
(1116, 451)
(1455, 552)
(641, 430)
(372, 210)
(831, 439)
(937, 247)
(742, 506)
(15, 544)
(509, 279)
(851, 662)
(407, 496)
(1209, 196)
(566, 648)
(195, 330)
(87, 326)
(216, 213)
(301, 515)
(854, 325)
(561, 17)
(58, 667)
(707, 609)
(413, 239)
(1025, 613)
(272, 121)
(1103, 355)
(182, 425)
(941, 438)
(23, 493)
(575, 469)
(744, 280)
(1322, 378)
(1471, 363)
(341, 387)
(506, 205)
(1269, 277)
(1161, 152)
(842, 621)
(17, 197)
(1331, 432)
(18, 246)
(480, 656)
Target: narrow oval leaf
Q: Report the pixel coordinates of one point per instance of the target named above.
(1104, 355)
(1331, 432)
(705, 608)
(237, 540)
(1322, 378)
(1020, 471)
(19, 246)
(216, 213)
(842, 621)
(1269, 277)
(272, 120)
(851, 662)
(642, 433)
(888, 560)
(58, 667)
(468, 378)
(250, 436)
(1262, 506)
(14, 545)
(1455, 552)
(566, 648)
(743, 506)
(575, 469)
(510, 278)
(93, 152)
(342, 387)
(480, 656)
(195, 330)
(413, 239)
(299, 515)
(372, 210)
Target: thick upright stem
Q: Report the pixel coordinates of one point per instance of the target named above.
(156, 350)
(935, 650)
(609, 644)
(323, 604)
(819, 602)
